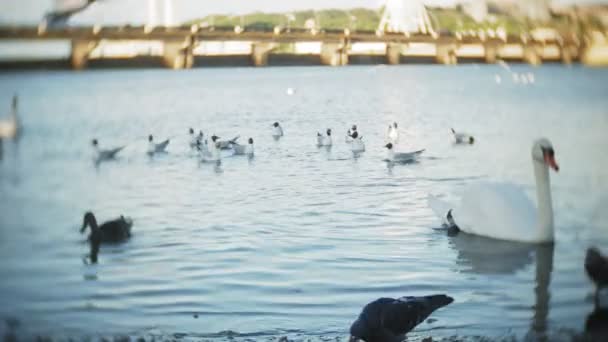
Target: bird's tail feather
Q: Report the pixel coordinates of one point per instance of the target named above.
(439, 207)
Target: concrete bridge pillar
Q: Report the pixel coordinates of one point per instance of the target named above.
(566, 54)
(259, 53)
(178, 54)
(490, 52)
(446, 53)
(81, 49)
(393, 53)
(532, 54)
(334, 54)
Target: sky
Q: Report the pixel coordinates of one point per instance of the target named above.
(114, 12)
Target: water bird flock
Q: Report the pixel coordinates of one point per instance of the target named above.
(500, 211)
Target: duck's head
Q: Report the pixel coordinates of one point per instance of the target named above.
(395, 124)
(471, 140)
(543, 152)
(389, 146)
(250, 141)
(276, 124)
(94, 142)
(150, 138)
(354, 135)
(88, 220)
(191, 131)
(214, 138)
(354, 128)
(329, 132)
(359, 331)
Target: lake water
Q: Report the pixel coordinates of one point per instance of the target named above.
(296, 241)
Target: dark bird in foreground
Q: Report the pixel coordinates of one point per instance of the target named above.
(388, 319)
(596, 325)
(596, 266)
(113, 231)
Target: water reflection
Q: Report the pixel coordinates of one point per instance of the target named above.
(482, 255)
(476, 254)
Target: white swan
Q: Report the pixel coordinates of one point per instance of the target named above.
(462, 138)
(324, 140)
(400, 157)
(156, 148)
(502, 210)
(277, 130)
(9, 128)
(101, 155)
(392, 134)
(244, 149)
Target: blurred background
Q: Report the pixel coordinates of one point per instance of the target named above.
(186, 33)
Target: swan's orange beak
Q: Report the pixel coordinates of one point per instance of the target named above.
(550, 160)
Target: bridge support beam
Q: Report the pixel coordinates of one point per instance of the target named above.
(567, 54)
(260, 52)
(178, 54)
(490, 52)
(334, 54)
(81, 49)
(393, 53)
(532, 54)
(446, 53)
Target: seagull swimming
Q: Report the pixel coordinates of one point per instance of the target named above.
(213, 152)
(193, 138)
(462, 138)
(400, 157)
(356, 142)
(277, 130)
(244, 149)
(389, 319)
(107, 154)
(156, 148)
(324, 140)
(227, 144)
(392, 134)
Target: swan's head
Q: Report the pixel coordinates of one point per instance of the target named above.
(150, 138)
(88, 220)
(328, 131)
(543, 152)
(191, 131)
(276, 124)
(389, 146)
(250, 141)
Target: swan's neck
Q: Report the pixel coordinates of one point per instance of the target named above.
(544, 201)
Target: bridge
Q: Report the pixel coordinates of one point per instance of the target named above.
(405, 33)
